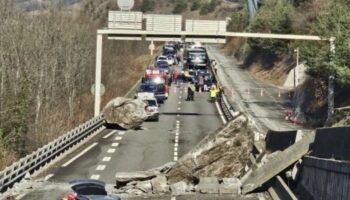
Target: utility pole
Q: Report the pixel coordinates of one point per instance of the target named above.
(331, 83)
(296, 67)
(98, 75)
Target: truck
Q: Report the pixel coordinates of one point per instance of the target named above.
(196, 59)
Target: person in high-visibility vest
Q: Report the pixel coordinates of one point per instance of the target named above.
(213, 92)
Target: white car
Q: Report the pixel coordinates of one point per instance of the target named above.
(152, 104)
(152, 108)
(170, 60)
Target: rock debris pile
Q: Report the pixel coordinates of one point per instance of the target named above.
(212, 167)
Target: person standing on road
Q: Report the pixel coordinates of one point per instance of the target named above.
(212, 93)
(220, 91)
(193, 88)
(174, 75)
(189, 93)
(200, 83)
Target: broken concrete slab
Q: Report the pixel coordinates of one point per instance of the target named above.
(277, 163)
(160, 184)
(179, 188)
(144, 186)
(221, 154)
(208, 185)
(123, 178)
(230, 186)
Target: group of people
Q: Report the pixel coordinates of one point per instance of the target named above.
(215, 92)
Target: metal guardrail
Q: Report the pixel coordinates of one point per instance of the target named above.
(45, 154)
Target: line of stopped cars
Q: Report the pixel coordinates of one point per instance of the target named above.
(180, 62)
(190, 63)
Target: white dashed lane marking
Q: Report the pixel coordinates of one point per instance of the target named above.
(95, 177)
(77, 156)
(100, 167)
(110, 150)
(121, 133)
(118, 138)
(109, 134)
(115, 144)
(106, 159)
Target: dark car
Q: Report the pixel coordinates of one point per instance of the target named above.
(169, 51)
(158, 89)
(89, 189)
(163, 66)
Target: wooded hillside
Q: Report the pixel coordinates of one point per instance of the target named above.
(47, 67)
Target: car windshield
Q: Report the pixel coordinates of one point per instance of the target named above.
(162, 63)
(151, 102)
(161, 58)
(147, 88)
(197, 55)
(160, 88)
(163, 66)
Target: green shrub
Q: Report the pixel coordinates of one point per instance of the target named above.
(209, 7)
(195, 5)
(321, 62)
(147, 5)
(180, 6)
(274, 17)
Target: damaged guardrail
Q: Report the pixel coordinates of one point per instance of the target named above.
(45, 154)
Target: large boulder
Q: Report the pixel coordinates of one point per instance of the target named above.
(127, 113)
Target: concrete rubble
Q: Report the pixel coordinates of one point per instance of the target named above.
(127, 113)
(212, 167)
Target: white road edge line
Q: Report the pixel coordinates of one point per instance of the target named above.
(220, 113)
(109, 134)
(82, 153)
(48, 177)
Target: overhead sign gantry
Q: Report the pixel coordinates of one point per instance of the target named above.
(130, 25)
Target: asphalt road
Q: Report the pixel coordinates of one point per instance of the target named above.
(182, 125)
(261, 101)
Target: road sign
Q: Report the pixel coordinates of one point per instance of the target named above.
(151, 47)
(124, 20)
(208, 26)
(125, 4)
(163, 23)
(93, 88)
